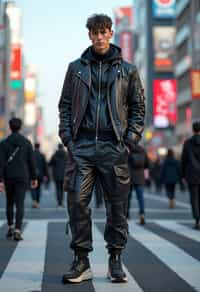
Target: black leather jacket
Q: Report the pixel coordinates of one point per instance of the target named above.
(125, 99)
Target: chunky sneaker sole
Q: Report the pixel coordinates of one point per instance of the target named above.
(117, 280)
(86, 275)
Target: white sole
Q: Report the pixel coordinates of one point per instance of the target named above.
(115, 280)
(87, 275)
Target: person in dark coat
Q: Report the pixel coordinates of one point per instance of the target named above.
(190, 163)
(42, 175)
(102, 108)
(155, 172)
(17, 168)
(138, 163)
(170, 176)
(57, 163)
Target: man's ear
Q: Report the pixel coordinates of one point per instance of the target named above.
(112, 32)
(89, 35)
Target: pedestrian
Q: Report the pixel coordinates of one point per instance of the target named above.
(190, 163)
(57, 163)
(138, 165)
(17, 168)
(170, 176)
(155, 171)
(101, 115)
(41, 173)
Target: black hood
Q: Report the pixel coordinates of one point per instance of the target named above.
(15, 139)
(113, 54)
(196, 140)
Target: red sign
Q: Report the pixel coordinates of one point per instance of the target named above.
(195, 83)
(126, 44)
(124, 16)
(164, 103)
(16, 63)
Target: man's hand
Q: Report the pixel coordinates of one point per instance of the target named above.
(34, 183)
(2, 187)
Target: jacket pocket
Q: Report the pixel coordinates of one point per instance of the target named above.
(122, 173)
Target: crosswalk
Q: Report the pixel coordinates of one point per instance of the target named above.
(162, 256)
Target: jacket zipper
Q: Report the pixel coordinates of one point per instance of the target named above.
(99, 101)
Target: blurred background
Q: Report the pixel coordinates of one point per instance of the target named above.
(38, 39)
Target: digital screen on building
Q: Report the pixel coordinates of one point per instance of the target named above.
(164, 8)
(16, 62)
(163, 45)
(164, 103)
(126, 44)
(195, 83)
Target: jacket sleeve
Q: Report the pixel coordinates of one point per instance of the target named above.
(136, 108)
(184, 161)
(31, 162)
(65, 108)
(2, 161)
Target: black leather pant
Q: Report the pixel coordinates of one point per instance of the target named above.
(15, 195)
(109, 161)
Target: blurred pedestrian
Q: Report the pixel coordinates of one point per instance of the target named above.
(190, 162)
(101, 108)
(17, 168)
(155, 171)
(170, 176)
(41, 173)
(138, 165)
(57, 163)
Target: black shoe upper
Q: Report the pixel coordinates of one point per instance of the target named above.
(115, 268)
(79, 265)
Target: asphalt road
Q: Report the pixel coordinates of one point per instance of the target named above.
(164, 255)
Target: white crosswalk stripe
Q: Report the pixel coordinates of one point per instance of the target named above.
(1, 223)
(179, 229)
(176, 259)
(99, 263)
(24, 271)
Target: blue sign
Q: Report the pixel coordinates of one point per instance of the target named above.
(164, 8)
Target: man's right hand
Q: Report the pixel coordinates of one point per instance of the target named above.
(34, 183)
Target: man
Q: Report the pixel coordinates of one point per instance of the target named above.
(101, 115)
(17, 167)
(41, 174)
(190, 162)
(58, 162)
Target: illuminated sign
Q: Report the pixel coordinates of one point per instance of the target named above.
(164, 8)
(164, 103)
(16, 62)
(126, 44)
(163, 40)
(195, 83)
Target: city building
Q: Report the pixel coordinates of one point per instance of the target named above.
(187, 69)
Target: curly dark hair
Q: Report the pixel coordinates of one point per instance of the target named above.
(99, 21)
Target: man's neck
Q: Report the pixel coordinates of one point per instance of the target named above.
(104, 52)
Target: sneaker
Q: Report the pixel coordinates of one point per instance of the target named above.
(17, 235)
(115, 271)
(10, 233)
(79, 271)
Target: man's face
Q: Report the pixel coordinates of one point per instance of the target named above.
(101, 39)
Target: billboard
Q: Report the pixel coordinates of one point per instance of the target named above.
(126, 44)
(123, 17)
(164, 103)
(30, 89)
(163, 41)
(164, 8)
(195, 83)
(16, 62)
